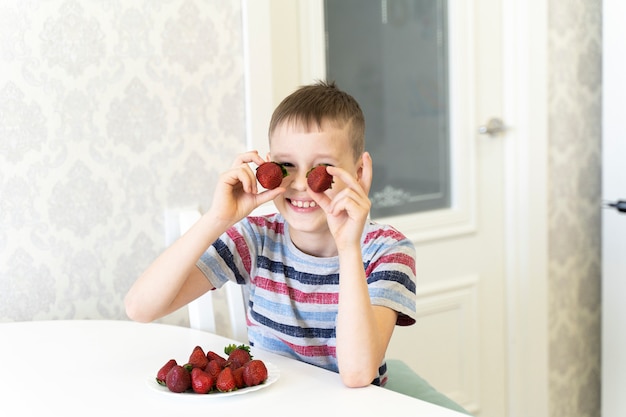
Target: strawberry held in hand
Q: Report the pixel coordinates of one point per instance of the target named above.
(271, 174)
(319, 179)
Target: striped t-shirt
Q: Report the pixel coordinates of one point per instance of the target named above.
(293, 302)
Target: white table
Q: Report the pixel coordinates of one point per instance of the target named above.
(92, 367)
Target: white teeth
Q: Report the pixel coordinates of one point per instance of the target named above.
(303, 204)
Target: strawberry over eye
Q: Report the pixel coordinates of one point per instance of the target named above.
(318, 179)
(271, 174)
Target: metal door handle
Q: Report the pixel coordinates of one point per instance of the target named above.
(619, 205)
(494, 127)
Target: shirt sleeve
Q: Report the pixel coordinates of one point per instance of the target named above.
(229, 257)
(390, 273)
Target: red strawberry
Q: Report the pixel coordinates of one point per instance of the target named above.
(201, 382)
(238, 376)
(214, 368)
(198, 358)
(238, 355)
(178, 379)
(319, 179)
(226, 381)
(210, 355)
(162, 374)
(270, 174)
(254, 372)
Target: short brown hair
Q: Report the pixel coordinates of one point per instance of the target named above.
(323, 102)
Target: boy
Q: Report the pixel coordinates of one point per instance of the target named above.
(327, 285)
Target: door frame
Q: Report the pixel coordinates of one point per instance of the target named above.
(525, 42)
(613, 223)
(525, 75)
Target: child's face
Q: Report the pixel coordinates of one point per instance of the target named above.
(300, 150)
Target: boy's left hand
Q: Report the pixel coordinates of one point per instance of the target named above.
(347, 211)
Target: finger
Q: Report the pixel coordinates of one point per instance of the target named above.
(241, 158)
(353, 184)
(346, 208)
(268, 195)
(351, 180)
(356, 205)
(242, 176)
(343, 175)
(320, 199)
(248, 185)
(247, 157)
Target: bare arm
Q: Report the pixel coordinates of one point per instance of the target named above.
(363, 330)
(173, 280)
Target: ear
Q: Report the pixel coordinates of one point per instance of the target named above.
(359, 168)
(364, 171)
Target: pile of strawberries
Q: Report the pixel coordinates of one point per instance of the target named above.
(211, 372)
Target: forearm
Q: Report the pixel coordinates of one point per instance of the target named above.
(165, 286)
(360, 343)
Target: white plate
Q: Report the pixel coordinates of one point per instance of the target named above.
(272, 376)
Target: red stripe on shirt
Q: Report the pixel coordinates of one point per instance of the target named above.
(393, 233)
(394, 258)
(265, 223)
(242, 248)
(296, 295)
(312, 351)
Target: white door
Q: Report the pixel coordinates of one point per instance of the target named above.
(613, 222)
(460, 341)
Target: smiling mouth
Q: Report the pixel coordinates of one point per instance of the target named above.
(302, 204)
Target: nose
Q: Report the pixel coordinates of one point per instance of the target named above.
(298, 180)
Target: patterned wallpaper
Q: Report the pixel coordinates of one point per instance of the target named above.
(575, 47)
(111, 113)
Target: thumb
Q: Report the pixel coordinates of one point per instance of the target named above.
(268, 195)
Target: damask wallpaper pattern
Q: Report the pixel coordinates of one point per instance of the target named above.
(574, 170)
(111, 113)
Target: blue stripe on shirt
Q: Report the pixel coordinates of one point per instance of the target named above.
(290, 311)
(291, 273)
(224, 252)
(396, 276)
(292, 331)
(387, 294)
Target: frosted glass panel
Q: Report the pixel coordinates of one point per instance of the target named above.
(391, 55)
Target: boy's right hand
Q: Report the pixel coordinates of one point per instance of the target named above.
(237, 193)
